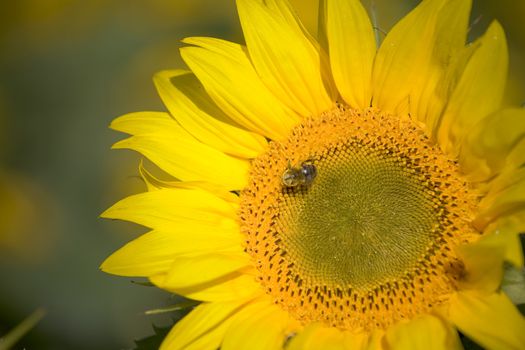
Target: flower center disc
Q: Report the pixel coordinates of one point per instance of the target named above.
(370, 240)
(371, 214)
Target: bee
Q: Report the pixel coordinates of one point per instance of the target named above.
(297, 176)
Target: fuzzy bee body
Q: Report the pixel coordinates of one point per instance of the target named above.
(299, 176)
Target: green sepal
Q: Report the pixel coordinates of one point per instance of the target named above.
(143, 283)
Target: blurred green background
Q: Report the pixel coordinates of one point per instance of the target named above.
(67, 68)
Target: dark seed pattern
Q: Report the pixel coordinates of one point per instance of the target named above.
(373, 239)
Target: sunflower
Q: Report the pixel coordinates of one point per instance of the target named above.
(330, 194)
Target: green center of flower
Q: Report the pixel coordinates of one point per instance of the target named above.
(364, 220)
(354, 220)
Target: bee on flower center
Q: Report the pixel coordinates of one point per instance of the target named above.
(298, 176)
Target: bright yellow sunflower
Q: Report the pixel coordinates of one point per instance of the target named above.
(333, 195)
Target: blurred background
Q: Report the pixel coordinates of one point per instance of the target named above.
(67, 68)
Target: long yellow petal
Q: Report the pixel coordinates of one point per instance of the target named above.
(505, 202)
(505, 232)
(203, 328)
(154, 252)
(483, 266)
(316, 336)
(153, 183)
(137, 123)
(446, 86)
(286, 11)
(285, 59)
(479, 90)
(185, 98)
(488, 147)
(352, 49)
(425, 332)
(197, 269)
(234, 286)
(167, 208)
(178, 153)
(260, 326)
(228, 76)
(375, 340)
(415, 54)
(492, 321)
(504, 181)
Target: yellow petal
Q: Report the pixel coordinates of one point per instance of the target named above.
(287, 62)
(316, 336)
(187, 102)
(516, 157)
(425, 332)
(507, 178)
(365, 341)
(487, 148)
(167, 208)
(479, 90)
(415, 54)
(492, 321)
(375, 340)
(352, 49)
(505, 202)
(144, 123)
(178, 153)
(261, 325)
(203, 328)
(505, 232)
(446, 86)
(483, 266)
(155, 251)
(504, 181)
(193, 270)
(228, 76)
(285, 10)
(154, 184)
(237, 285)
(186, 220)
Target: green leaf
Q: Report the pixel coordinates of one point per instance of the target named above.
(153, 341)
(178, 310)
